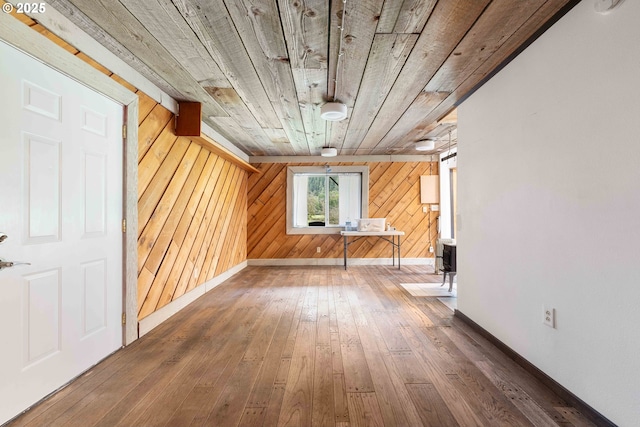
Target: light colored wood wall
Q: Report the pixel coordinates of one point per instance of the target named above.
(394, 193)
(192, 208)
(192, 203)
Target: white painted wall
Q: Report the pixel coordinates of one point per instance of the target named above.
(549, 195)
(445, 192)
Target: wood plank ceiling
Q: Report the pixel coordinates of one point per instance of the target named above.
(263, 68)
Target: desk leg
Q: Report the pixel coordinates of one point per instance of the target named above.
(398, 252)
(393, 250)
(344, 238)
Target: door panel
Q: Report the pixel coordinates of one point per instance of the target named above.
(42, 186)
(43, 294)
(61, 206)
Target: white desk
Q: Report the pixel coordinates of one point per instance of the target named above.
(357, 235)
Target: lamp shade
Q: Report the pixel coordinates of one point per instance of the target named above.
(329, 152)
(425, 145)
(333, 111)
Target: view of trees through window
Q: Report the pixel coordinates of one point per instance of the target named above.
(321, 200)
(317, 199)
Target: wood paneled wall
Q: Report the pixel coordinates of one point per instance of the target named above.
(192, 210)
(394, 193)
(192, 204)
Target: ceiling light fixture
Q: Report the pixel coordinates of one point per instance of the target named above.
(329, 152)
(425, 145)
(335, 111)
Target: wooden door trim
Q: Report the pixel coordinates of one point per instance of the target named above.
(41, 48)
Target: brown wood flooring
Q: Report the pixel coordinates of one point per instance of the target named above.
(309, 346)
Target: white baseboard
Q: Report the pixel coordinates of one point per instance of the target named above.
(336, 261)
(156, 318)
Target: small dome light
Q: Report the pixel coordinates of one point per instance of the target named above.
(333, 111)
(425, 145)
(329, 152)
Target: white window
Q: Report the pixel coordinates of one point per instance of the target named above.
(321, 200)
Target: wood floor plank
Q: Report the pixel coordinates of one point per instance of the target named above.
(323, 335)
(519, 397)
(464, 411)
(346, 323)
(272, 371)
(364, 410)
(496, 404)
(275, 404)
(478, 349)
(104, 384)
(389, 331)
(228, 408)
(323, 408)
(198, 404)
(356, 370)
(309, 346)
(166, 406)
(575, 417)
(298, 397)
(340, 399)
(432, 408)
(389, 395)
(253, 417)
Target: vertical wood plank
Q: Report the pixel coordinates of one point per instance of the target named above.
(298, 398)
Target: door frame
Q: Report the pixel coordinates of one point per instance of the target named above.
(22, 37)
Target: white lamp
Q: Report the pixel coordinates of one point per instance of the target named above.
(329, 152)
(333, 111)
(425, 145)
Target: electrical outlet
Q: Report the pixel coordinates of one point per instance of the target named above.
(430, 249)
(549, 316)
(424, 209)
(318, 249)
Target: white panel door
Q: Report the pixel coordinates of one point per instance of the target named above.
(61, 209)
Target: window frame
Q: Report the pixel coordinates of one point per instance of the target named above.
(364, 191)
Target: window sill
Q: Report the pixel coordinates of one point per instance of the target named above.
(314, 230)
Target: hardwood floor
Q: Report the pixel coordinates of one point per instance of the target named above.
(309, 346)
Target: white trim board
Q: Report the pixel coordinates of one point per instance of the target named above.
(275, 262)
(156, 318)
(217, 137)
(337, 159)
